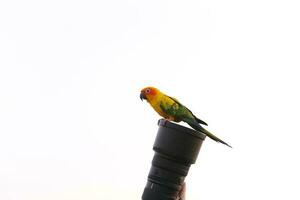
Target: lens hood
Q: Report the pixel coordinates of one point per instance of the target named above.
(176, 148)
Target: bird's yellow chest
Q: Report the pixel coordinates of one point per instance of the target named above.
(156, 105)
(157, 108)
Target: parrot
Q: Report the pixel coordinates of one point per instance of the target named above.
(171, 109)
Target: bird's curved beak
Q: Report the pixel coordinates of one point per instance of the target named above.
(143, 96)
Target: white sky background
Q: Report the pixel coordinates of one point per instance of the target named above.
(72, 125)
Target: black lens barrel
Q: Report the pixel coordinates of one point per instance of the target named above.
(176, 148)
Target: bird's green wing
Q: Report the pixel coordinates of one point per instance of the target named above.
(184, 112)
(170, 108)
(175, 109)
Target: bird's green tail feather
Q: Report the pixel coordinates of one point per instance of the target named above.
(198, 127)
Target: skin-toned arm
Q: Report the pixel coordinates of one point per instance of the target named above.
(182, 192)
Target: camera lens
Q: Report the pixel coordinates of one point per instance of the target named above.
(176, 148)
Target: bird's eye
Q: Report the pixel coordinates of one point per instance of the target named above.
(147, 91)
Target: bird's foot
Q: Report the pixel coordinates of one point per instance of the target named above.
(168, 118)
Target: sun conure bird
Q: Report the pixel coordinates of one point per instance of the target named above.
(171, 109)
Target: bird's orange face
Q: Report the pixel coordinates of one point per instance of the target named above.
(148, 93)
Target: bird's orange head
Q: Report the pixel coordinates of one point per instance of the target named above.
(149, 93)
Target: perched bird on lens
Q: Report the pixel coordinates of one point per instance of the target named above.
(171, 109)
